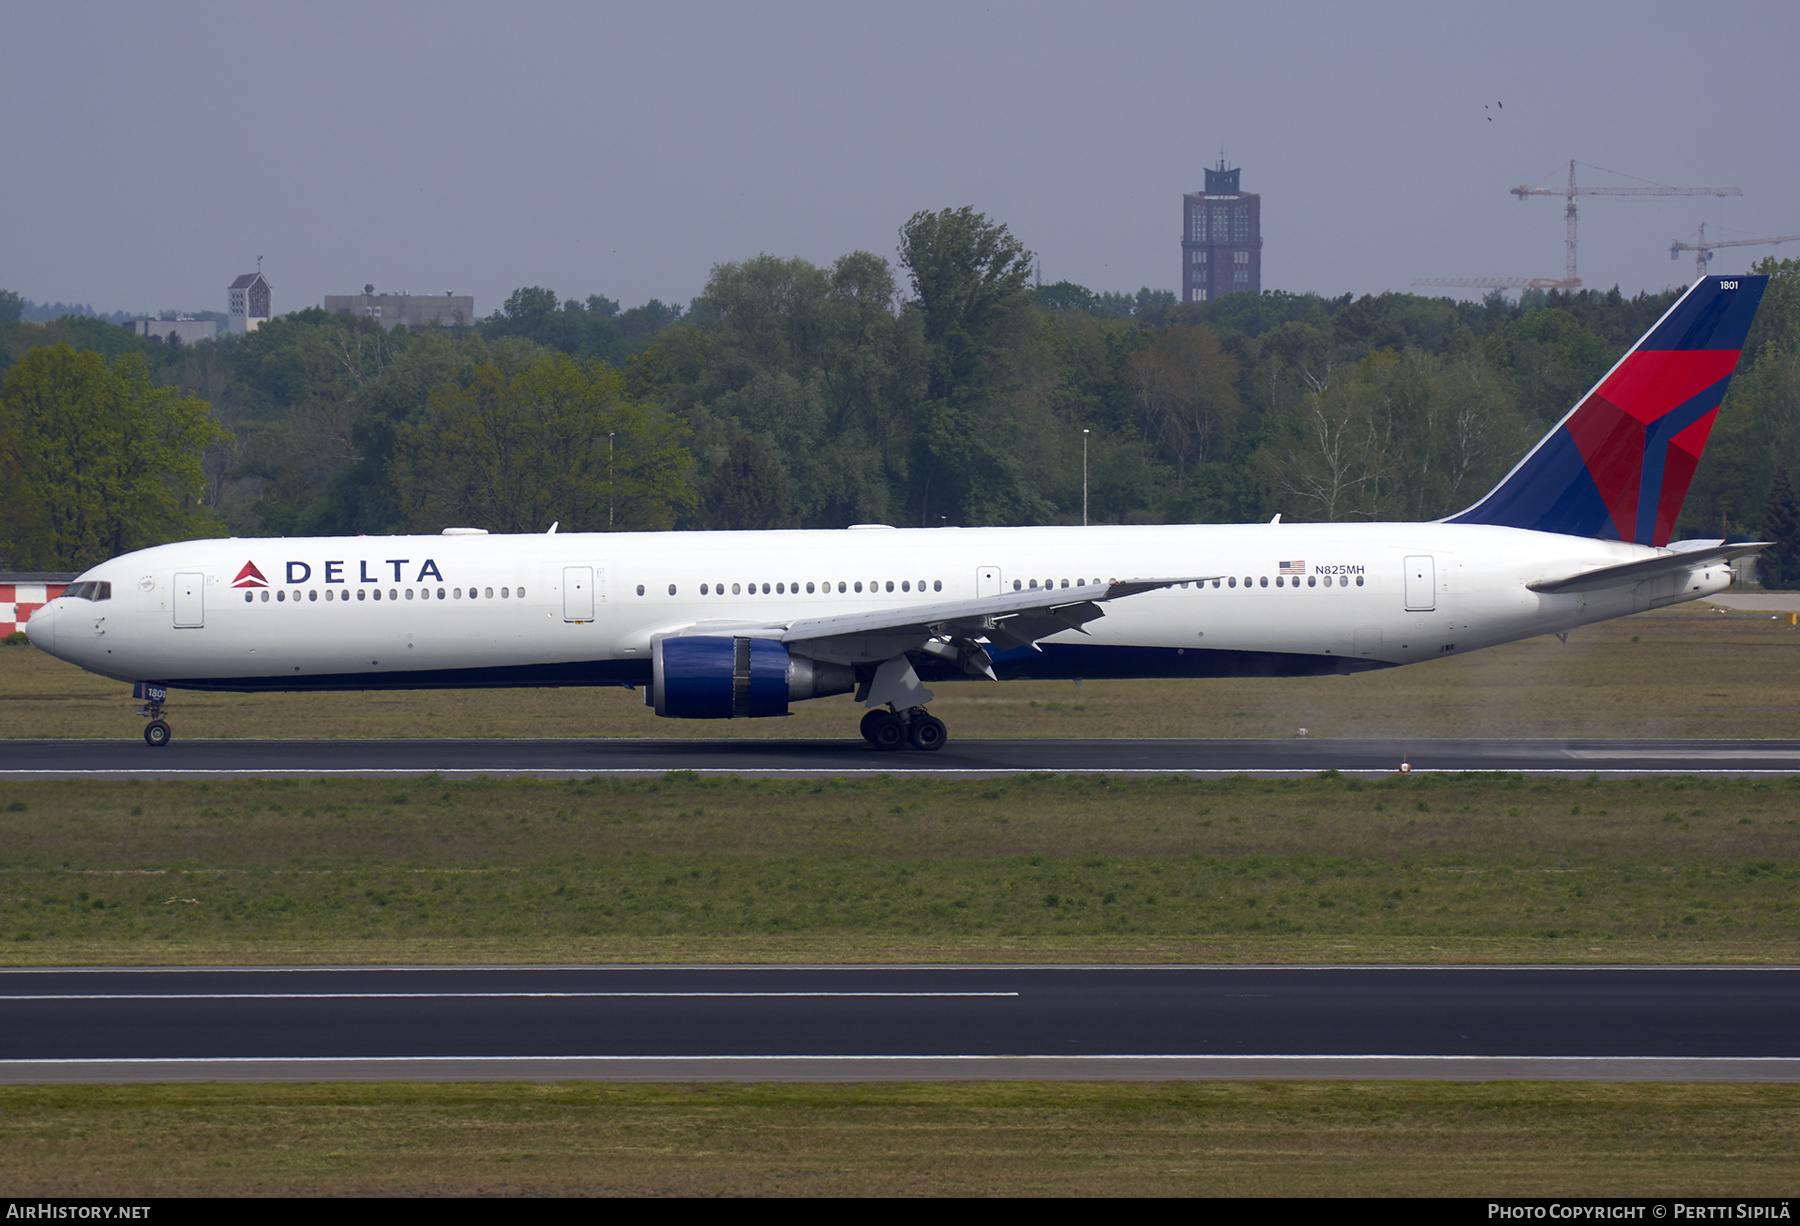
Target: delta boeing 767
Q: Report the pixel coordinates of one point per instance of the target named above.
(729, 625)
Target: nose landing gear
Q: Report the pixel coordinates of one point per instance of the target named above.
(886, 729)
(156, 732)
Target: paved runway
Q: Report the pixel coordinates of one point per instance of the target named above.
(49, 759)
(837, 1023)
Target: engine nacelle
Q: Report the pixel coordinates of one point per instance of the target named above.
(720, 677)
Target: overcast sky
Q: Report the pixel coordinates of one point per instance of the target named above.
(150, 152)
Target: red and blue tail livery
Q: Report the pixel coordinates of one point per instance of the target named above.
(1619, 465)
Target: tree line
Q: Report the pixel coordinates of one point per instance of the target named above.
(942, 388)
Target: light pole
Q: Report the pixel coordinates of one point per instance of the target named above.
(609, 479)
(1084, 443)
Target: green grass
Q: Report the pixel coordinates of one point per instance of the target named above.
(1421, 868)
(1681, 674)
(1228, 1139)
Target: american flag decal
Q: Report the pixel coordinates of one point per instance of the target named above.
(1296, 567)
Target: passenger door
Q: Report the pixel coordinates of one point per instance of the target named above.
(578, 593)
(190, 601)
(1421, 584)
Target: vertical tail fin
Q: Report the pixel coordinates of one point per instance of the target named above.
(1619, 465)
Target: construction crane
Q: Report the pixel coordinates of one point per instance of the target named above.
(1496, 282)
(1570, 279)
(1703, 250)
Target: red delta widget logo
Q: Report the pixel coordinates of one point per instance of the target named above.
(333, 572)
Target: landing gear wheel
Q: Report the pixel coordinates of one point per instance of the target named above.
(869, 722)
(156, 734)
(927, 732)
(887, 732)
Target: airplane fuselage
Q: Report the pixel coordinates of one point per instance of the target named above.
(584, 609)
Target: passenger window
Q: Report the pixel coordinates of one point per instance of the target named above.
(671, 589)
(440, 593)
(487, 593)
(640, 589)
(1359, 580)
(840, 585)
(937, 585)
(409, 593)
(1264, 581)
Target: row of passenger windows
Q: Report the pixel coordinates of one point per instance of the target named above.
(1283, 580)
(1018, 585)
(784, 589)
(1021, 585)
(778, 589)
(365, 593)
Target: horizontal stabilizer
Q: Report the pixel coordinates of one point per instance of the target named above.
(1649, 568)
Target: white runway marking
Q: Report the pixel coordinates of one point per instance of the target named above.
(473, 995)
(1019, 1058)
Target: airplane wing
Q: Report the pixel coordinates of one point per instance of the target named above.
(956, 628)
(1649, 568)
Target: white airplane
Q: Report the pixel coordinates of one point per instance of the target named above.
(724, 625)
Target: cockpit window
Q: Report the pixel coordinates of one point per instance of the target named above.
(93, 589)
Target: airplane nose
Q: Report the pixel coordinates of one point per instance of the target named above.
(40, 628)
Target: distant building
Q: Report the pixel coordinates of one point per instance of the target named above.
(1221, 239)
(187, 330)
(249, 308)
(406, 307)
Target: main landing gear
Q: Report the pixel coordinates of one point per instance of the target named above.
(885, 728)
